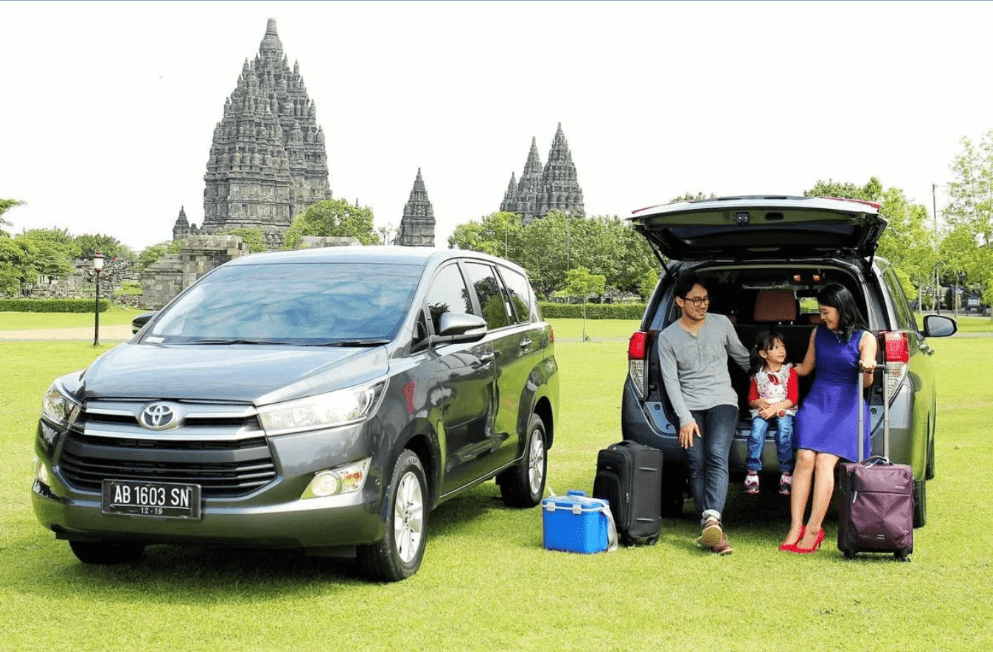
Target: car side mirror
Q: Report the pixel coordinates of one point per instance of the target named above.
(459, 327)
(939, 326)
(139, 322)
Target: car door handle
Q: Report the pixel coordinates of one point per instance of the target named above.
(525, 343)
(484, 360)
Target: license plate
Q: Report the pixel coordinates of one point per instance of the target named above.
(155, 499)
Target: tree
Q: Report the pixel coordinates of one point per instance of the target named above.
(970, 215)
(151, 255)
(253, 238)
(332, 218)
(87, 245)
(580, 283)
(6, 205)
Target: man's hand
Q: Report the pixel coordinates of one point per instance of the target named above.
(686, 434)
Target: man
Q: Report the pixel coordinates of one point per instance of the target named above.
(694, 353)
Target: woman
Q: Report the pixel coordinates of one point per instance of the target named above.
(827, 418)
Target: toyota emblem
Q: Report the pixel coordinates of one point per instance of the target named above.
(159, 416)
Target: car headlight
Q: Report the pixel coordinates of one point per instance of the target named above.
(329, 410)
(59, 408)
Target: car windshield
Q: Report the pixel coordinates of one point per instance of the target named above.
(317, 304)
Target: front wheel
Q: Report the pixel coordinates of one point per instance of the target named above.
(399, 554)
(524, 485)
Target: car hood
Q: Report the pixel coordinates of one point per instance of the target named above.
(748, 228)
(238, 373)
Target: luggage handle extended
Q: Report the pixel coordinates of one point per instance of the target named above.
(875, 459)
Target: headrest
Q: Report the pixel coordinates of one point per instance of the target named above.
(775, 306)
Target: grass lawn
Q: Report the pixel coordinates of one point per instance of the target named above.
(487, 583)
(114, 316)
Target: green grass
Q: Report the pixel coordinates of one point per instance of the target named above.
(115, 316)
(973, 323)
(487, 583)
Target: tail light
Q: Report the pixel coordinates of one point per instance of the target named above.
(896, 355)
(638, 347)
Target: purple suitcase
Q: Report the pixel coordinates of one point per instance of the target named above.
(875, 497)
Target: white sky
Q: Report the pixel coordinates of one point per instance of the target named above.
(108, 109)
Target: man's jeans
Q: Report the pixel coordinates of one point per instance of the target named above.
(708, 457)
(784, 442)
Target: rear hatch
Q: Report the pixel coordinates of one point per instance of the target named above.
(760, 227)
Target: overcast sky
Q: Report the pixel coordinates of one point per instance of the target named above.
(108, 108)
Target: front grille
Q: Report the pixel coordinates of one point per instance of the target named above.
(219, 447)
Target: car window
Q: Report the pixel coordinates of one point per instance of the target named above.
(490, 294)
(312, 303)
(904, 316)
(521, 298)
(448, 293)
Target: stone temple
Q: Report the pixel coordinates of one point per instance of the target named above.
(417, 224)
(267, 160)
(543, 189)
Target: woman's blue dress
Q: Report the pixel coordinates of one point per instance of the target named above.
(827, 421)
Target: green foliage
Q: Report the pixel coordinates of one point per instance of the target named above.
(554, 310)
(550, 246)
(151, 255)
(88, 244)
(6, 205)
(648, 283)
(580, 283)
(52, 305)
(253, 238)
(129, 289)
(332, 218)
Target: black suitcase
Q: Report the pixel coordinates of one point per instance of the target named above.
(629, 477)
(876, 498)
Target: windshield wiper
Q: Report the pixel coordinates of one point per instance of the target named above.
(234, 340)
(347, 343)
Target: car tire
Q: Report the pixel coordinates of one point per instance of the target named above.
(106, 553)
(920, 503)
(399, 554)
(524, 485)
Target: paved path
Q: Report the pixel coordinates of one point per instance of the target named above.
(107, 334)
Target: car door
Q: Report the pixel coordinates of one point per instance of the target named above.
(514, 344)
(461, 378)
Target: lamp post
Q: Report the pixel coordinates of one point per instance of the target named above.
(97, 267)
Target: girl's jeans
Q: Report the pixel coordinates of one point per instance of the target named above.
(784, 442)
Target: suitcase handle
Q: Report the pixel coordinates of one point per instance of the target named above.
(885, 368)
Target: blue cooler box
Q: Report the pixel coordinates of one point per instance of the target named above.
(575, 523)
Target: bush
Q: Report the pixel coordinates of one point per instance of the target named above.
(51, 305)
(551, 310)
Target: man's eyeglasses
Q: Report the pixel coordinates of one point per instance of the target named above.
(697, 301)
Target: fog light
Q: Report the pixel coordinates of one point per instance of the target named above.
(40, 471)
(343, 480)
(325, 484)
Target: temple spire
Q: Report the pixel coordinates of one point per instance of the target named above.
(417, 224)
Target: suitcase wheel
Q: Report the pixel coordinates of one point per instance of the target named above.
(903, 555)
(849, 554)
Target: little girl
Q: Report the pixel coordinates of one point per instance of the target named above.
(772, 396)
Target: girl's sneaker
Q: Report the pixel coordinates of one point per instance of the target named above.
(752, 482)
(785, 484)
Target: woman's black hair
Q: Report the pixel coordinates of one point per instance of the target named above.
(850, 318)
(763, 342)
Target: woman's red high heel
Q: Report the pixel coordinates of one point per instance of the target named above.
(791, 547)
(814, 548)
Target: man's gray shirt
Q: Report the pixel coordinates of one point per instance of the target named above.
(695, 367)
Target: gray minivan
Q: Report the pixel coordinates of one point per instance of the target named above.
(754, 252)
(322, 399)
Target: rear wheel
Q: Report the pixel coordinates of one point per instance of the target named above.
(399, 554)
(524, 485)
(920, 503)
(106, 553)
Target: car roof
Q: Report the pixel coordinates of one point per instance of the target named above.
(371, 254)
(762, 226)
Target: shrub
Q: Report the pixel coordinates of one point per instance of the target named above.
(593, 310)
(51, 305)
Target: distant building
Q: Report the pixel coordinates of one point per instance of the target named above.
(267, 159)
(417, 223)
(544, 189)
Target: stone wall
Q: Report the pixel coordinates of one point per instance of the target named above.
(172, 273)
(80, 283)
